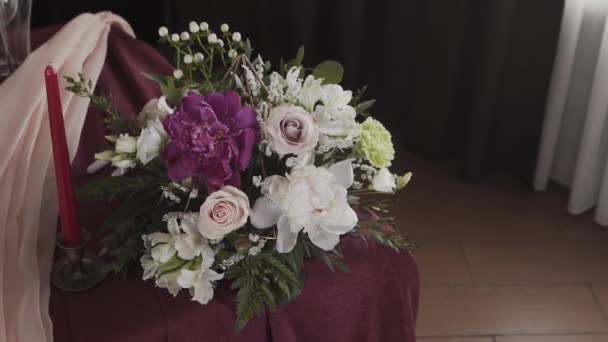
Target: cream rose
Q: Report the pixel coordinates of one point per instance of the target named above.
(222, 212)
(292, 130)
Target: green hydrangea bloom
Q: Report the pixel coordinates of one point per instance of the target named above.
(375, 144)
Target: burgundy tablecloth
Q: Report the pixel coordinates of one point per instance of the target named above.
(375, 302)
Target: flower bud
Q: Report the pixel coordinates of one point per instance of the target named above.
(212, 38)
(163, 31)
(104, 155)
(194, 28)
(198, 57)
(126, 144)
(185, 36)
(175, 37)
(178, 74)
(232, 53)
(204, 26)
(220, 43)
(224, 28)
(188, 59)
(236, 36)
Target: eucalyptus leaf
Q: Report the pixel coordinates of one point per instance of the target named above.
(330, 71)
(363, 106)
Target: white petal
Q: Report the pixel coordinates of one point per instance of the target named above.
(264, 214)
(97, 165)
(286, 239)
(343, 171)
(323, 239)
(344, 223)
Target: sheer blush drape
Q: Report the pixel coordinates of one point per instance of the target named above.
(28, 215)
(574, 146)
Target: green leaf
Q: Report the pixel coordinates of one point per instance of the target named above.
(299, 56)
(138, 204)
(160, 79)
(330, 71)
(363, 106)
(172, 93)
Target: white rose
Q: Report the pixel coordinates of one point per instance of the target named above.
(222, 212)
(383, 181)
(154, 109)
(292, 130)
(311, 199)
(150, 141)
(126, 144)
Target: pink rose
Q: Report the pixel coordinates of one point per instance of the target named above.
(224, 211)
(292, 130)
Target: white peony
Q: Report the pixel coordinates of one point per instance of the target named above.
(224, 211)
(155, 109)
(150, 141)
(311, 93)
(310, 199)
(126, 144)
(291, 130)
(383, 181)
(200, 280)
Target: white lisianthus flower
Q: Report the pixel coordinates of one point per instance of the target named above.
(212, 38)
(200, 280)
(184, 36)
(126, 144)
(220, 43)
(224, 27)
(383, 181)
(193, 26)
(291, 130)
(311, 199)
(311, 93)
(155, 109)
(236, 36)
(150, 141)
(336, 117)
(204, 26)
(222, 212)
(175, 37)
(163, 31)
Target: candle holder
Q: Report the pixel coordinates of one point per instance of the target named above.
(77, 270)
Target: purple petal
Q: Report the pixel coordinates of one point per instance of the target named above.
(244, 118)
(246, 140)
(182, 167)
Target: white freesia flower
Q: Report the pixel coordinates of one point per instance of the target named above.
(222, 212)
(201, 279)
(126, 144)
(311, 199)
(155, 109)
(383, 181)
(291, 130)
(311, 93)
(150, 141)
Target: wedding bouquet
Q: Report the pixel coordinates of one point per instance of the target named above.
(241, 172)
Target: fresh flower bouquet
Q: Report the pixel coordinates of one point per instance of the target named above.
(240, 172)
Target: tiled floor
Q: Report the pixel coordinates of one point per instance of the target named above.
(500, 263)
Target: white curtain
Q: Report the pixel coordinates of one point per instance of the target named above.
(574, 144)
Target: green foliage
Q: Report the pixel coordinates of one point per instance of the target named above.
(265, 280)
(330, 71)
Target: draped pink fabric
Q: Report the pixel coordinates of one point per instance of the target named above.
(28, 214)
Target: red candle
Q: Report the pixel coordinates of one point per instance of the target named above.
(70, 226)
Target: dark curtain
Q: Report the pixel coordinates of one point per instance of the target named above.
(459, 80)
(464, 80)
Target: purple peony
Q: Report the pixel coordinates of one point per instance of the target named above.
(211, 139)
